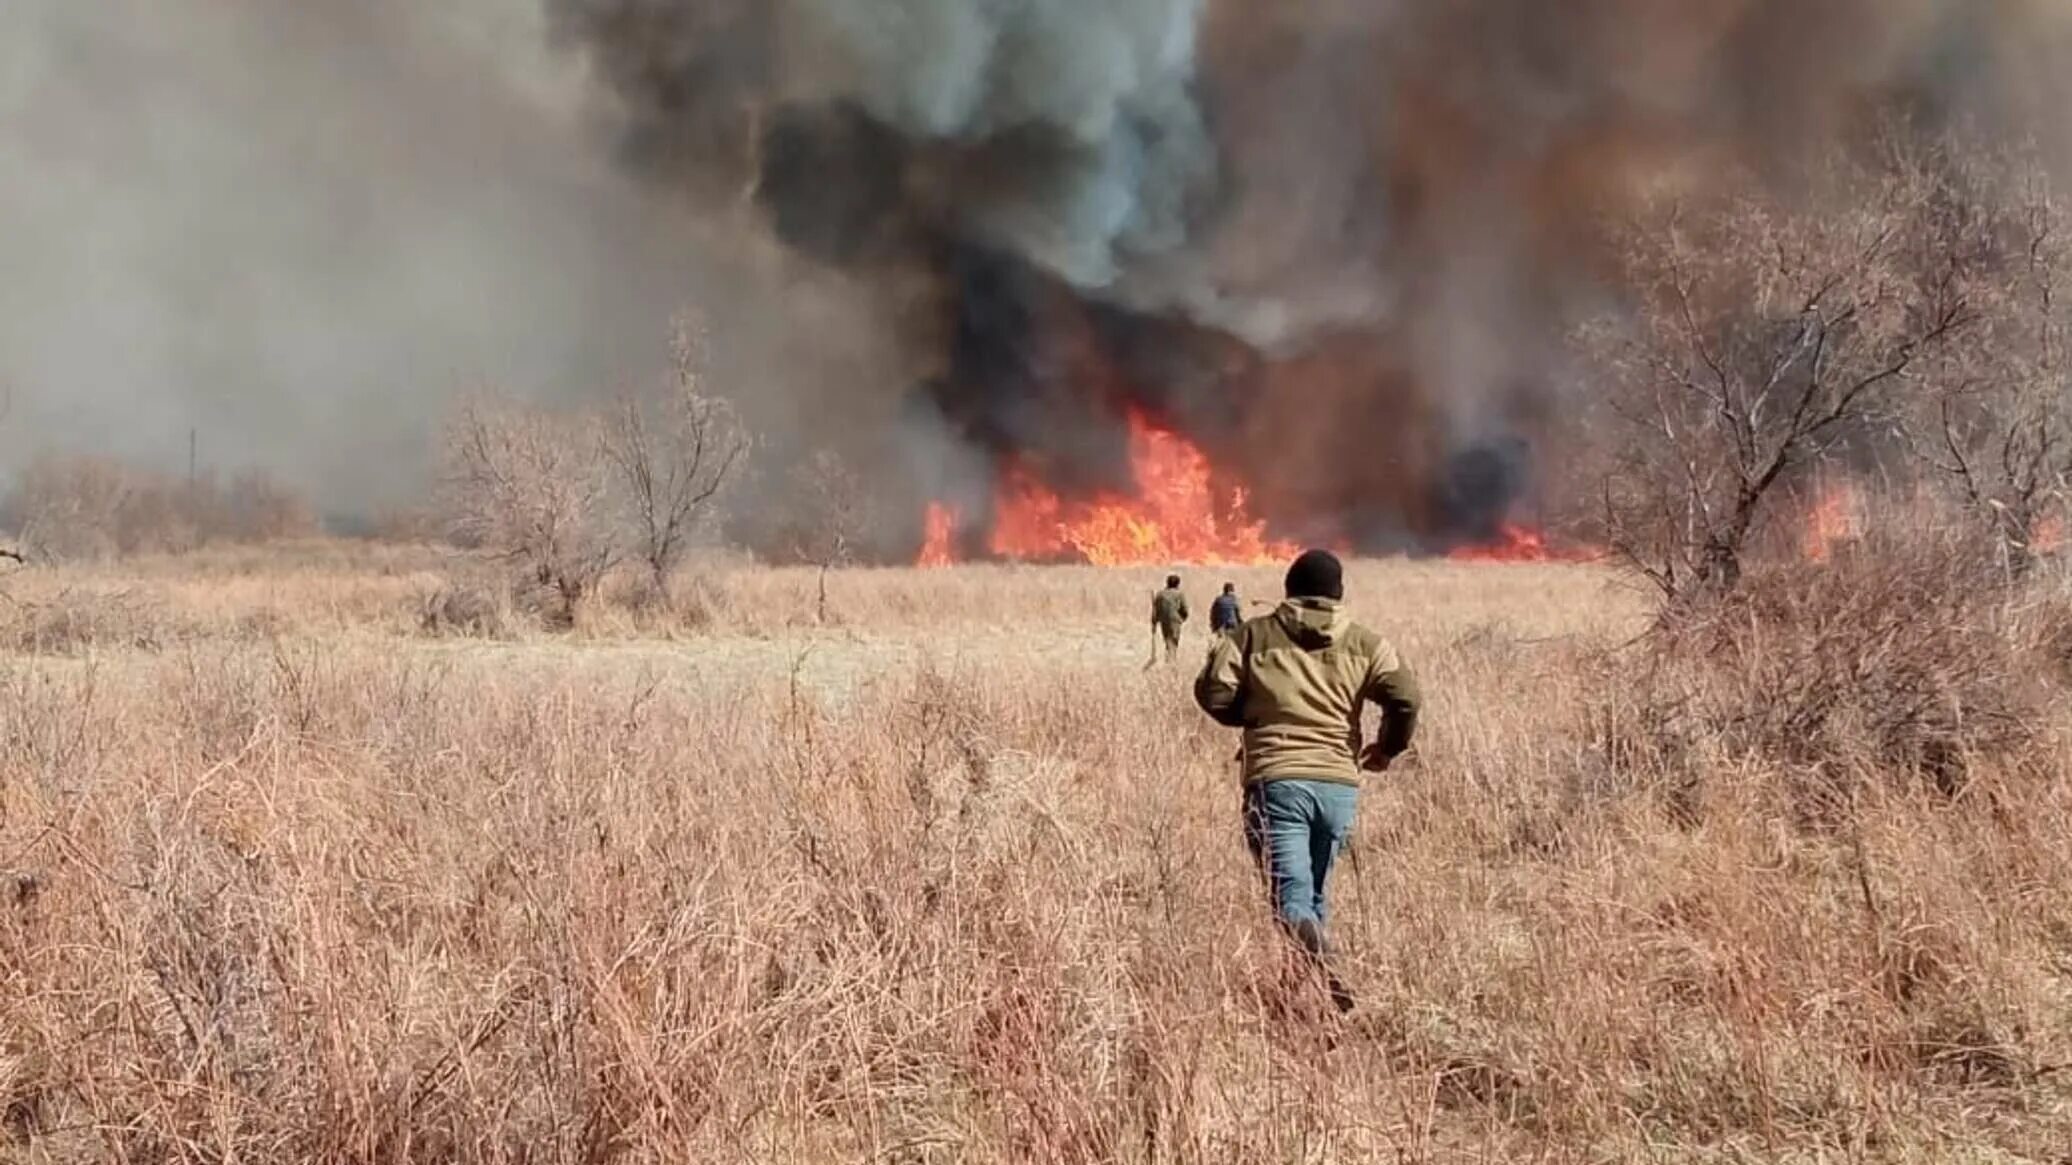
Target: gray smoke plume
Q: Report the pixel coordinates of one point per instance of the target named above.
(297, 226)
(1333, 240)
(1064, 131)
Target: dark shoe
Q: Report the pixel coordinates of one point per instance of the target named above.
(1310, 936)
(1341, 995)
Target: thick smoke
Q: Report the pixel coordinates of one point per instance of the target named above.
(297, 227)
(1332, 240)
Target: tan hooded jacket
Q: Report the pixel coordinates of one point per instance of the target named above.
(1296, 681)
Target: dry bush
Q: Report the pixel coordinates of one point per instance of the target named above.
(82, 508)
(258, 507)
(1894, 659)
(69, 507)
(450, 608)
(1998, 427)
(534, 489)
(76, 621)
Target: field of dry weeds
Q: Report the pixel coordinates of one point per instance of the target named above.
(304, 859)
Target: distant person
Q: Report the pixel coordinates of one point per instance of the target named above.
(1227, 613)
(1296, 681)
(1169, 615)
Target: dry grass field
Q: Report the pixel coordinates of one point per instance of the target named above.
(289, 873)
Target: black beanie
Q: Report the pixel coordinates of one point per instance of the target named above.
(1316, 575)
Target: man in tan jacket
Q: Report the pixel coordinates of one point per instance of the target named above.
(1296, 681)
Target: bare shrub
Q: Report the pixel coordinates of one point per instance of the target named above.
(833, 510)
(70, 508)
(674, 460)
(1762, 339)
(1891, 660)
(84, 508)
(259, 507)
(456, 609)
(533, 488)
(75, 621)
(1998, 428)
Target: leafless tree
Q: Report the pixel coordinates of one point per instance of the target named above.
(1761, 337)
(534, 489)
(70, 507)
(835, 511)
(1999, 428)
(674, 459)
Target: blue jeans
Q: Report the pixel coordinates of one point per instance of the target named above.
(1295, 830)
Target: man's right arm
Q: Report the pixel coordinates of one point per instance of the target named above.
(1220, 688)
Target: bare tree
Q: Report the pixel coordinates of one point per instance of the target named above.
(70, 507)
(835, 511)
(532, 488)
(1999, 428)
(674, 459)
(1762, 337)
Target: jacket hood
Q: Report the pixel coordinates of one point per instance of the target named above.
(1313, 623)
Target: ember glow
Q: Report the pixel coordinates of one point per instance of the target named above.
(1516, 543)
(1177, 515)
(1835, 520)
(940, 548)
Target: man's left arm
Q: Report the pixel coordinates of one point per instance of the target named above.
(1394, 687)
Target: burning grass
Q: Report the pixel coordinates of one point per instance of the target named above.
(955, 878)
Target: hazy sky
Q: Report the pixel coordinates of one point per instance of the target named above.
(296, 226)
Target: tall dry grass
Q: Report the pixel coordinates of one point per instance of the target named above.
(953, 877)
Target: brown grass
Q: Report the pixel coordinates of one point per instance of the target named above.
(955, 878)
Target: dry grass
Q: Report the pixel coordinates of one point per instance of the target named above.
(954, 878)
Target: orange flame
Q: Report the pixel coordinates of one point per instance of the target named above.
(1176, 515)
(1835, 519)
(940, 547)
(1516, 543)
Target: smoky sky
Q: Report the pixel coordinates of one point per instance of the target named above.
(1334, 240)
(296, 227)
(1360, 224)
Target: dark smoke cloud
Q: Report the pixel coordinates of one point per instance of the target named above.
(1333, 240)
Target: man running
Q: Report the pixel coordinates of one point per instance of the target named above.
(1296, 681)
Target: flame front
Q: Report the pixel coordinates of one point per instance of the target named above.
(1177, 515)
(1516, 543)
(940, 547)
(1835, 520)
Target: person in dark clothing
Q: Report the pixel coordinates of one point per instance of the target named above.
(1169, 615)
(1296, 682)
(1227, 612)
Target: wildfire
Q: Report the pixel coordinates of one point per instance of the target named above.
(940, 547)
(1177, 515)
(1516, 543)
(1835, 519)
